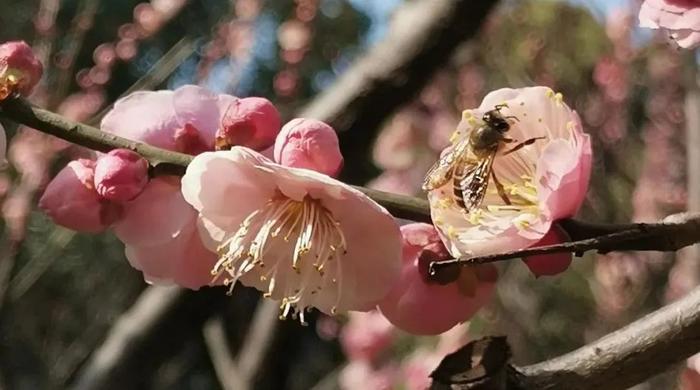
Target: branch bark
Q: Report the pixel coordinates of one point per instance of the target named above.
(673, 233)
(627, 356)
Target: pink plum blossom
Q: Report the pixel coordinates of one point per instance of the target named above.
(71, 200)
(159, 228)
(310, 144)
(299, 236)
(20, 69)
(121, 175)
(366, 335)
(253, 122)
(420, 306)
(184, 120)
(545, 181)
(680, 17)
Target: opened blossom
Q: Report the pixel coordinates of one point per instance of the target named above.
(417, 303)
(544, 181)
(681, 18)
(299, 236)
(158, 228)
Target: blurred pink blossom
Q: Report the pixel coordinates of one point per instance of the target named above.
(297, 235)
(680, 17)
(20, 69)
(359, 374)
(121, 175)
(253, 122)
(545, 181)
(310, 144)
(71, 200)
(366, 335)
(419, 306)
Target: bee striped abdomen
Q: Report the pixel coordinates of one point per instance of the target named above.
(457, 190)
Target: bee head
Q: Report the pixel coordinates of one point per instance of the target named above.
(496, 120)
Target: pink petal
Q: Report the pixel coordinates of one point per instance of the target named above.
(198, 107)
(183, 261)
(552, 264)
(157, 215)
(144, 116)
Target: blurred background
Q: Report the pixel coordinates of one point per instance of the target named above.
(61, 293)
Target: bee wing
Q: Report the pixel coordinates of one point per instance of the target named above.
(441, 172)
(476, 181)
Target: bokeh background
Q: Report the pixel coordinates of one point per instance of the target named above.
(62, 292)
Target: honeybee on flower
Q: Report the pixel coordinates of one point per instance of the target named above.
(486, 196)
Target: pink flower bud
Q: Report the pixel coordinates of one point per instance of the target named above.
(421, 306)
(309, 144)
(547, 265)
(20, 70)
(71, 200)
(252, 122)
(121, 175)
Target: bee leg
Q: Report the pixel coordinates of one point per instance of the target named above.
(522, 145)
(499, 187)
(499, 107)
(512, 117)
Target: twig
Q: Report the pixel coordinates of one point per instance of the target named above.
(674, 232)
(164, 161)
(258, 339)
(224, 365)
(627, 356)
(144, 334)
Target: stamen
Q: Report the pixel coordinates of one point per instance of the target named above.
(310, 231)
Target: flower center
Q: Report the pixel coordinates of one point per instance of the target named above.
(282, 229)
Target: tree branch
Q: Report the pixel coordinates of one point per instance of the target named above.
(165, 162)
(627, 356)
(674, 232)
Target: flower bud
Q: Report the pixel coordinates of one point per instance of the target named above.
(252, 122)
(70, 200)
(309, 144)
(121, 175)
(20, 70)
(552, 264)
(420, 306)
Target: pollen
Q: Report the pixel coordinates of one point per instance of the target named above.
(455, 135)
(309, 234)
(467, 114)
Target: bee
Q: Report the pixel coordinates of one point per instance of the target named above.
(470, 162)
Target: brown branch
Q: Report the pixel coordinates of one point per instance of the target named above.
(164, 161)
(627, 356)
(673, 233)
